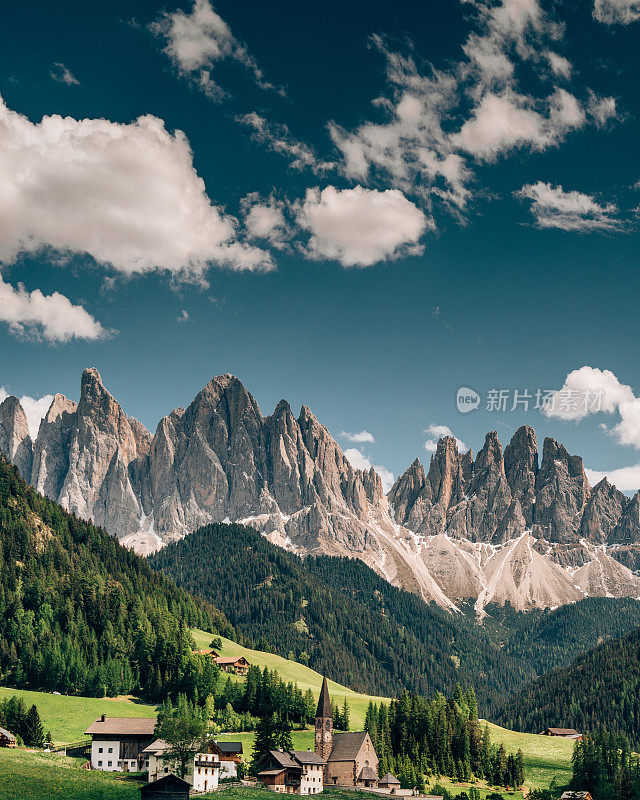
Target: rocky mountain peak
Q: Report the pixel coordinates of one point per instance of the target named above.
(15, 439)
(521, 469)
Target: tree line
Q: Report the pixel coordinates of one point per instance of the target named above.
(24, 723)
(605, 766)
(441, 736)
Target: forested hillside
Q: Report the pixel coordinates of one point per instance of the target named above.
(81, 615)
(601, 689)
(340, 617)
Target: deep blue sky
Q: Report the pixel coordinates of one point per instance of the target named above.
(493, 301)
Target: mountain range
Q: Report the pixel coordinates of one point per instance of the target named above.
(505, 527)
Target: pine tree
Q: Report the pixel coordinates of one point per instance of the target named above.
(32, 731)
(345, 715)
(266, 738)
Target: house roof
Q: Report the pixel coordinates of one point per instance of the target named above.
(389, 778)
(283, 759)
(346, 746)
(159, 746)
(324, 701)
(271, 772)
(4, 732)
(230, 660)
(127, 726)
(563, 731)
(368, 774)
(208, 652)
(307, 757)
(229, 747)
(169, 780)
(574, 795)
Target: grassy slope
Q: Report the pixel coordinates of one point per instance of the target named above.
(305, 677)
(40, 776)
(546, 757)
(68, 717)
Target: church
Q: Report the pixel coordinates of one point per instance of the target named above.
(350, 757)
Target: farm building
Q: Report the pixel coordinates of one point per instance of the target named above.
(116, 742)
(238, 665)
(202, 773)
(168, 788)
(292, 772)
(230, 755)
(7, 739)
(564, 733)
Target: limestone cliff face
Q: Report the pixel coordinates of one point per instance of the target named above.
(497, 528)
(15, 441)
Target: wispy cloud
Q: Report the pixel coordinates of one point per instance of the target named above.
(358, 438)
(278, 138)
(553, 207)
(197, 41)
(358, 460)
(61, 74)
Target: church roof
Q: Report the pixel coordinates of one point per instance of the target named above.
(346, 746)
(389, 778)
(324, 701)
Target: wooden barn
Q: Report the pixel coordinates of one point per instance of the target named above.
(168, 788)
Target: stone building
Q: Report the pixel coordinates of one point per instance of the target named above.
(351, 757)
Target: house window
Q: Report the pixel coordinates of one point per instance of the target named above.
(109, 763)
(100, 750)
(111, 749)
(99, 763)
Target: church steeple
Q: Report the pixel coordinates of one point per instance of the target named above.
(324, 723)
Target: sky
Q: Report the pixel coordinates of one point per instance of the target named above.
(418, 219)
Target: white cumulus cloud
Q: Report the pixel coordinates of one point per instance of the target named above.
(34, 409)
(589, 390)
(436, 432)
(125, 194)
(359, 227)
(358, 460)
(363, 436)
(553, 207)
(616, 12)
(52, 317)
(627, 479)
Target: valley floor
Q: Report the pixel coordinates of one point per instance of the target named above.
(39, 776)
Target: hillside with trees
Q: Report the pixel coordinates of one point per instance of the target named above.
(340, 617)
(79, 614)
(600, 689)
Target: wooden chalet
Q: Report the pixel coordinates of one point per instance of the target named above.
(564, 733)
(7, 739)
(576, 796)
(237, 665)
(207, 652)
(292, 772)
(230, 755)
(171, 787)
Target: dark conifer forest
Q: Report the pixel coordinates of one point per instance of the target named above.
(340, 617)
(80, 614)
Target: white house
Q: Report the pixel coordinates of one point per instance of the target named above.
(202, 772)
(118, 741)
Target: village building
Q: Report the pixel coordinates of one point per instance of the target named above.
(208, 651)
(564, 733)
(576, 796)
(116, 742)
(230, 755)
(292, 772)
(168, 788)
(389, 783)
(237, 665)
(350, 756)
(203, 773)
(7, 739)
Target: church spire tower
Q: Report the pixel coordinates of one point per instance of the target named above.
(324, 723)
